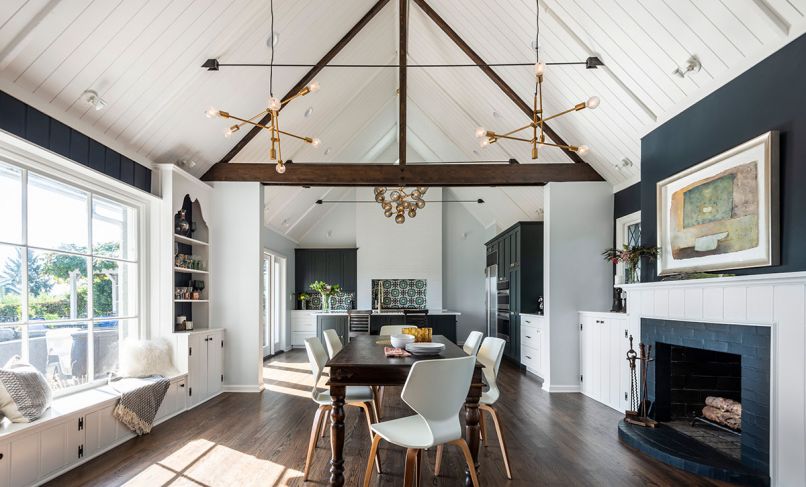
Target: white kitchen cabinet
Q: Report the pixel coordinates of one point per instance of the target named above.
(205, 365)
(534, 344)
(303, 325)
(603, 345)
(5, 463)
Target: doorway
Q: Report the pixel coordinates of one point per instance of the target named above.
(273, 311)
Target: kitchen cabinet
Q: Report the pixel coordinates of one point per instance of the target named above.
(603, 345)
(303, 325)
(331, 322)
(534, 344)
(334, 266)
(205, 364)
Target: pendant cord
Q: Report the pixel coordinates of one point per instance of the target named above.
(271, 43)
(537, 38)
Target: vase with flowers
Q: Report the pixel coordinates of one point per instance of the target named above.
(326, 290)
(631, 257)
(303, 298)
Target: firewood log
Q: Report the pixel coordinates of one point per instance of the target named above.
(724, 404)
(725, 418)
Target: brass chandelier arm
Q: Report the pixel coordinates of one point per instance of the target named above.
(576, 108)
(560, 146)
(300, 137)
(509, 137)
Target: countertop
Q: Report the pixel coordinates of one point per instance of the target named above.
(386, 313)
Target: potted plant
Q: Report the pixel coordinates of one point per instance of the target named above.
(326, 290)
(303, 298)
(631, 258)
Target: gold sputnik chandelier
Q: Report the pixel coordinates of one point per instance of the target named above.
(275, 105)
(403, 202)
(538, 138)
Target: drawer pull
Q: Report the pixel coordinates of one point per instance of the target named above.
(527, 336)
(530, 358)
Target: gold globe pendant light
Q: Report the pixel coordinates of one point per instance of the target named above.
(273, 110)
(400, 202)
(535, 126)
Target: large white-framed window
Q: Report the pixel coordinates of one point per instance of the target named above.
(71, 272)
(628, 232)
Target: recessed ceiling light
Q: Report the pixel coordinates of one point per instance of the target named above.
(186, 163)
(475, 152)
(285, 222)
(496, 114)
(308, 112)
(327, 151)
(93, 98)
(272, 41)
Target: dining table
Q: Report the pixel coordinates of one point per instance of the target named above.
(363, 362)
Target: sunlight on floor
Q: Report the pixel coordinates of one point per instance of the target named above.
(279, 377)
(205, 463)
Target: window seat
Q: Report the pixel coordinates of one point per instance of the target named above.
(70, 404)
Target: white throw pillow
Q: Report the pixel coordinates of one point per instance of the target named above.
(24, 392)
(141, 358)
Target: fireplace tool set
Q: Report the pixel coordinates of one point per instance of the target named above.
(639, 407)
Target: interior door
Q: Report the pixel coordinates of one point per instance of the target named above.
(267, 305)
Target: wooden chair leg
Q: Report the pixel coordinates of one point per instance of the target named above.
(411, 467)
(373, 452)
(419, 465)
(317, 421)
(377, 398)
(500, 434)
(462, 444)
(438, 461)
(325, 426)
(367, 407)
(483, 428)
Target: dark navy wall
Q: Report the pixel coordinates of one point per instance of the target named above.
(29, 123)
(627, 201)
(769, 96)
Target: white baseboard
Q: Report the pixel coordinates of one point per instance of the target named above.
(243, 388)
(564, 388)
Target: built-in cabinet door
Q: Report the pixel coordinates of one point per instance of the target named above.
(54, 451)
(603, 364)
(5, 464)
(197, 368)
(100, 430)
(215, 346)
(587, 358)
(24, 460)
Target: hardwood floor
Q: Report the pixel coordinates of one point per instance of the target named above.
(261, 439)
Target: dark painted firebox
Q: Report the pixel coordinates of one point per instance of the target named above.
(698, 359)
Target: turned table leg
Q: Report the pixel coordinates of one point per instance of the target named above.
(472, 417)
(337, 436)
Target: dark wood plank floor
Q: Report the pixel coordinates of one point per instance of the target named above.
(261, 439)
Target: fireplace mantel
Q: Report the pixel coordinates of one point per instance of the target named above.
(774, 300)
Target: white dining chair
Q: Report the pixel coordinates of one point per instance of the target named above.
(332, 342)
(389, 330)
(359, 396)
(473, 342)
(490, 354)
(436, 391)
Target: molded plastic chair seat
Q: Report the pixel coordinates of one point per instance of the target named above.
(409, 432)
(473, 342)
(333, 342)
(354, 394)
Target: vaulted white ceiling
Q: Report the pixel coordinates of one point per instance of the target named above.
(143, 57)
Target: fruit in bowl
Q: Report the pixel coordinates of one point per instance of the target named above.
(400, 341)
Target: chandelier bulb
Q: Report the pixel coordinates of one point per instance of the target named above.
(315, 142)
(420, 204)
(275, 104)
(422, 189)
(230, 131)
(412, 213)
(212, 112)
(388, 213)
(481, 132)
(313, 86)
(484, 143)
(593, 102)
(583, 149)
(280, 167)
(399, 218)
(539, 68)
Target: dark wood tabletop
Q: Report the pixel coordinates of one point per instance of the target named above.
(362, 362)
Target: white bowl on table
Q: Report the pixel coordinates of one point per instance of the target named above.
(400, 341)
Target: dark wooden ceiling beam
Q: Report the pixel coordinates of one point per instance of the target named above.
(355, 174)
(525, 107)
(310, 75)
(402, 92)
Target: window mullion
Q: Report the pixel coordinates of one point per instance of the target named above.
(90, 294)
(24, 292)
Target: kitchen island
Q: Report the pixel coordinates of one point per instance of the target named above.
(443, 322)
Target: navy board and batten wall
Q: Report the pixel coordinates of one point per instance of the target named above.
(768, 96)
(333, 266)
(22, 120)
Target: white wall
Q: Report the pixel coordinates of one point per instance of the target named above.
(578, 227)
(336, 229)
(236, 265)
(283, 247)
(412, 250)
(463, 259)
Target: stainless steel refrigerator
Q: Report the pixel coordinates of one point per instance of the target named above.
(491, 299)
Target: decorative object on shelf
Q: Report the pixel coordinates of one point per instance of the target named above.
(631, 257)
(326, 291)
(618, 306)
(537, 138)
(303, 299)
(722, 213)
(188, 325)
(540, 305)
(181, 225)
(639, 408)
(400, 293)
(273, 114)
(404, 203)
(684, 276)
(180, 322)
(189, 262)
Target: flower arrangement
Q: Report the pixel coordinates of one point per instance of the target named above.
(631, 257)
(326, 290)
(303, 298)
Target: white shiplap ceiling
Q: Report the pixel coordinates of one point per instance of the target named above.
(143, 58)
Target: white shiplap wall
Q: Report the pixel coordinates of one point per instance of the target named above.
(776, 300)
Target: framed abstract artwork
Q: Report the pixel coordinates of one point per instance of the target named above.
(722, 213)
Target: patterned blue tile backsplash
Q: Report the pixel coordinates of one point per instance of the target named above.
(401, 293)
(339, 301)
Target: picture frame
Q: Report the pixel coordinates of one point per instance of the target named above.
(722, 213)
